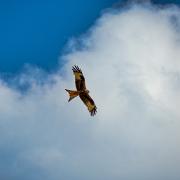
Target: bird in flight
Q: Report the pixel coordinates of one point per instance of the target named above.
(81, 91)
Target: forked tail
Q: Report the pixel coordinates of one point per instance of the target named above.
(72, 94)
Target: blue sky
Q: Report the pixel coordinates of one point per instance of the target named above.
(36, 31)
(167, 1)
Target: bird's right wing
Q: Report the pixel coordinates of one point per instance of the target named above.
(88, 101)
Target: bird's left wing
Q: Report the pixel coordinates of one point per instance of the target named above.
(88, 101)
(79, 78)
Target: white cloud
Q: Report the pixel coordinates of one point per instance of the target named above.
(131, 60)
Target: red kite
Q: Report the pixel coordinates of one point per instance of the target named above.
(82, 92)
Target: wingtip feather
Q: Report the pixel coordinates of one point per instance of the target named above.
(93, 111)
(75, 68)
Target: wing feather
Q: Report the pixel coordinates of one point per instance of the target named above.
(79, 78)
(88, 101)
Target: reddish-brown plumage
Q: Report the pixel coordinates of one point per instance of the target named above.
(82, 92)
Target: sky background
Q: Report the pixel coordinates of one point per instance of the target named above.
(130, 57)
(36, 32)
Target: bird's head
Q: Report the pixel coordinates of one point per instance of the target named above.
(87, 91)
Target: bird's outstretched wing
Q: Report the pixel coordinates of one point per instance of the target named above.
(79, 78)
(88, 101)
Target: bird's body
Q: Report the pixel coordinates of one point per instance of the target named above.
(81, 91)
